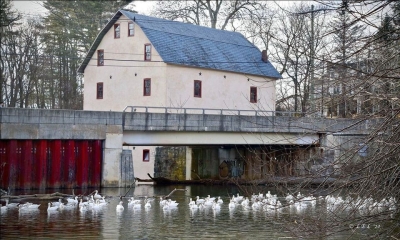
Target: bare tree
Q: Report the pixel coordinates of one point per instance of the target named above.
(8, 20)
(21, 64)
(215, 14)
(357, 176)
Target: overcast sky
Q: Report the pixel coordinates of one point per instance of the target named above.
(31, 8)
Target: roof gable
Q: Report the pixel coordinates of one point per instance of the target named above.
(196, 46)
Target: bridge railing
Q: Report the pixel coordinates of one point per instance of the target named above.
(175, 110)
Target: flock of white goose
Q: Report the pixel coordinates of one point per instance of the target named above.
(95, 201)
(265, 202)
(298, 202)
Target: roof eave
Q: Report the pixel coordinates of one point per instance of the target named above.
(97, 41)
(222, 70)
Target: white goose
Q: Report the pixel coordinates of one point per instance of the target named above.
(56, 203)
(102, 200)
(199, 200)
(147, 204)
(137, 205)
(28, 206)
(210, 198)
(3, 209)
(163, 202)
(97, 195)
(166, 207)
(220, 201)
(289, 198)
(238, 199)
(245, 202)
(216, 206)
(96, 206)
(172, 204)
(51, 208)
(11, 205)
(134, 201)
(232, 204)
(73, 200)
(193, 206)
(191, 202)
(120, 207)
(100, 203)
(83, 203)
(268, 194)
(256, 205)
(83, 208)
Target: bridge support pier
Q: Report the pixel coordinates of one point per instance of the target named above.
(188, 163)
(111, 175)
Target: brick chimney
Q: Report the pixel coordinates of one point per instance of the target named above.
(264, 56)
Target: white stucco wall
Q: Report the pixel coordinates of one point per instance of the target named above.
(140, 167)
(220, 90)
(171, 85)
(121, 86)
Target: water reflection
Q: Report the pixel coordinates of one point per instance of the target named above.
(182, 221)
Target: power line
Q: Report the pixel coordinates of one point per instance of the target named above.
(131, 60)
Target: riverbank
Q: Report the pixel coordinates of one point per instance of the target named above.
(271, 181)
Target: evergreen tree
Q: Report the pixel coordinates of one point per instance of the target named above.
(347, 39)
(71, 28)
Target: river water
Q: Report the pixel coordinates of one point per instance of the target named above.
(175, 223)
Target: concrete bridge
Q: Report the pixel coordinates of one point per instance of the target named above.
(158, 126)
(150, 126)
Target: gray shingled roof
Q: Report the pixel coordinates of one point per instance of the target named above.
(196, 46)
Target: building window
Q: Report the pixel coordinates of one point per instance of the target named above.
(197, 88)
(99, 92)
(100, 57)
(253, 94)
(147, 87)
(117, 31)
(131, 29)
(146, 155)
(147, 52)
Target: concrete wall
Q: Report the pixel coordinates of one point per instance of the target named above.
(335, 135)
(17, 123)
(21, 123)
(149, 121)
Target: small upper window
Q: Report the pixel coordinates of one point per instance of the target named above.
(197, 88)
(147, 87)
(100, 57)
(131, 29)
(99, 93)
(117, 31)
(147, 52)
(146, 155)
(253, 94)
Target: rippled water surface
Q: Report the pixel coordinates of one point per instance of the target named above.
(155, 222)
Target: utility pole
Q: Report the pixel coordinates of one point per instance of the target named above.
(312, 101)
(312, 53)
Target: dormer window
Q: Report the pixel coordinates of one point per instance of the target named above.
(100, 57)
(253, 94)
(147, 52)
(131, 29)
(117, 31)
